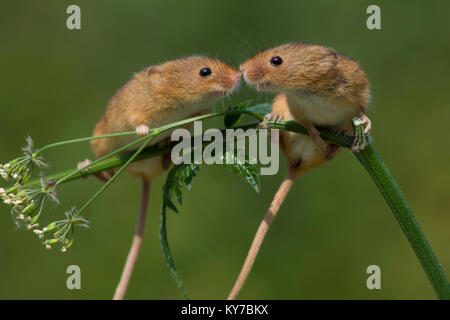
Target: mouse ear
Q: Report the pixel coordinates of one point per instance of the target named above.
(330, 57)
(322, 59)
(154, 73)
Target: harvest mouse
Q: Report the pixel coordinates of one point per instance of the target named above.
(316, 86)
(158, 95)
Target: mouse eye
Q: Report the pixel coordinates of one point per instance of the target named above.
(276, 61)
(204, 72)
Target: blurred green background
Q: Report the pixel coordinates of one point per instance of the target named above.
(55, 84)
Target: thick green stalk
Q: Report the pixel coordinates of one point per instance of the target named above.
(402, 212)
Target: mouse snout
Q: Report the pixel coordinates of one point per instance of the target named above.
(252, 73)
(230, 81)
(234, 80)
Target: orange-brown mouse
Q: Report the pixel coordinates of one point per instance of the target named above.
(159, 95)
(322, 86)
(156, 96)
(316, 86)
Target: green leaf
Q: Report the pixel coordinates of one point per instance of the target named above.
(261, 109)
(230, 120)
(245, 170)
(177, 176)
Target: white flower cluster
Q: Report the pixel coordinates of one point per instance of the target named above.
(27, 200)
(7, 173)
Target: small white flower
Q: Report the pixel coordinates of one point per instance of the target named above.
(47, 246)
(17, 202)
(37, 231)
(63, 249)
(7, 201)
(15, 176)
(21, 217)
(4, 175)
(2, 191)
(31, 226)
(7, 166)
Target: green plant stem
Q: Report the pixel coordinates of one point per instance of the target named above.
(125, 165)
(147, 139)
(111, 162)
(404, 216)
(122, 149)
(62, 143)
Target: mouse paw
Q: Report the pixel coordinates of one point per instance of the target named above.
(142, 130)
(361, 128)
(102, 176)
(273, 116)
(84, 164)
(366, 122)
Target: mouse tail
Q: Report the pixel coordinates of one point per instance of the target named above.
(137, 241)
(277, 201)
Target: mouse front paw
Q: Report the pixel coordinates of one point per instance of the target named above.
(142, 130)
(362, 127)
(273, 116)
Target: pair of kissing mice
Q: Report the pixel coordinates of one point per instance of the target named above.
(316, 86)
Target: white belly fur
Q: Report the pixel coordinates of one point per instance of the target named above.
(321, 111)
(303, 147)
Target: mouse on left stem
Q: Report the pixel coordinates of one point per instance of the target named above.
(156, 96)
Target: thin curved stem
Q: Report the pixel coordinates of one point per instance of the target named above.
(261, 233)
(136, 244)
(62, 143)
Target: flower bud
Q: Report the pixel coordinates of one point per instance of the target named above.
(29, 209)
(50, 227)
(51, 241)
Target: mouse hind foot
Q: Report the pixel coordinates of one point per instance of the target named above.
(362, 127)
(103, 176)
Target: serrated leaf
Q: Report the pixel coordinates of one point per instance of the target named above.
(177, 176)
(245, 170)
(262, 108)
(168, 254)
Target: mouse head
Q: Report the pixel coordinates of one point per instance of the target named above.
(291, 66)
(194, 79)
